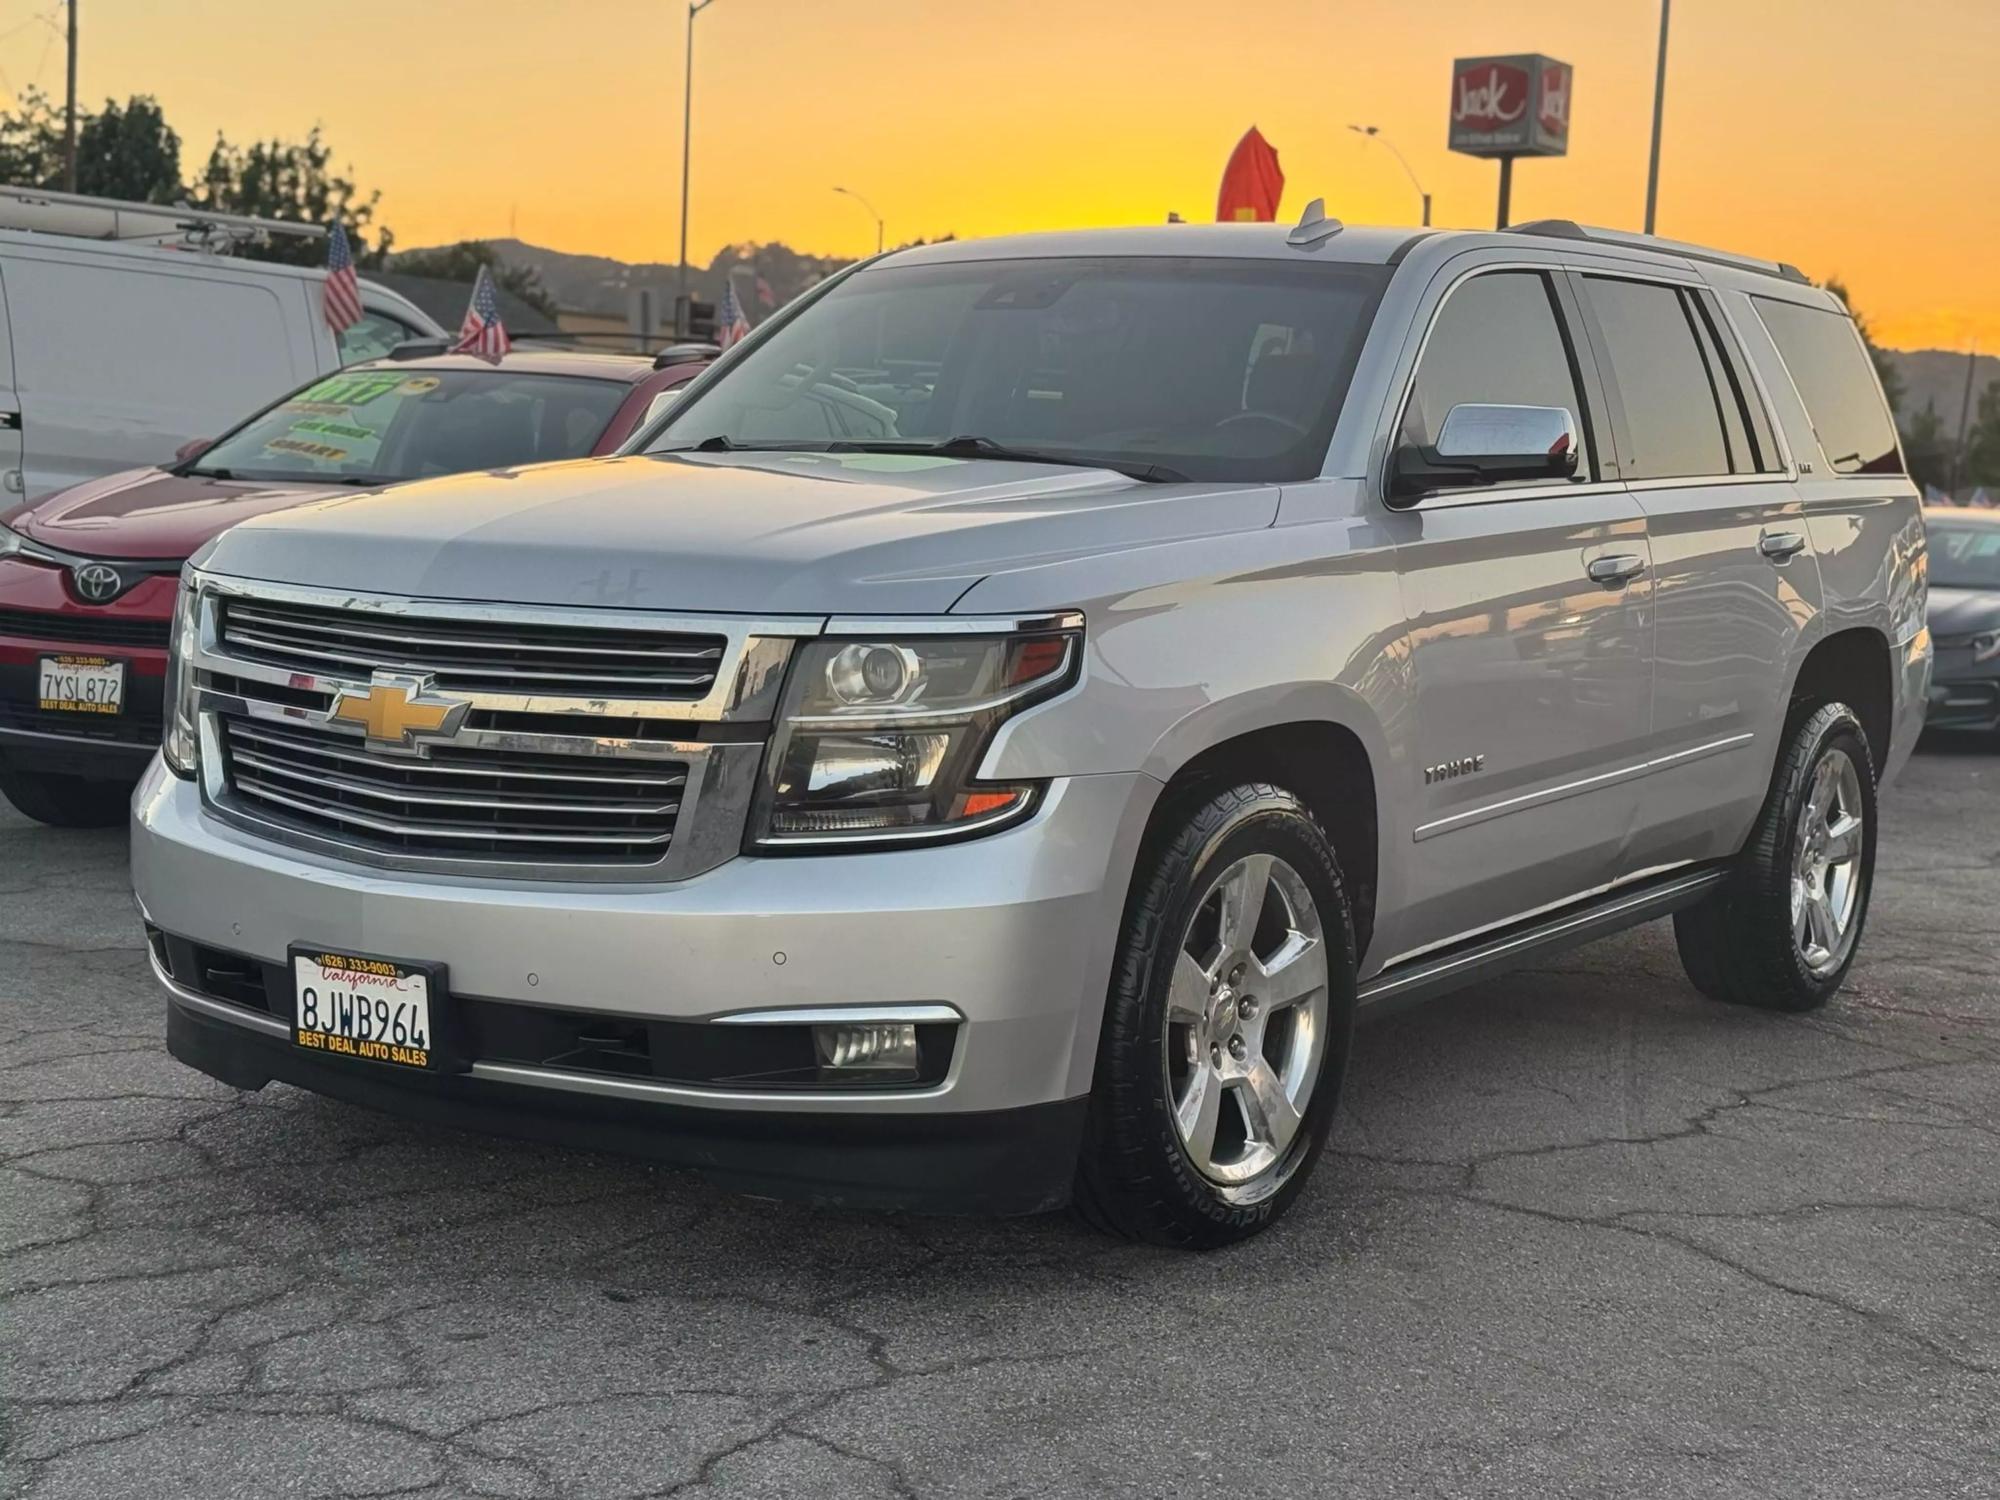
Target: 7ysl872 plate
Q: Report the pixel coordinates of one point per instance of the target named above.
(372, 1009)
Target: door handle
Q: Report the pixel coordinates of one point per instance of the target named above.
(1616, 569)
(1779, 545)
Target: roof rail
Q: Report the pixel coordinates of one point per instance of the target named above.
(81, 216)
(1569, 229)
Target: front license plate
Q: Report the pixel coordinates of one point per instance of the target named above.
(82, 684)
(374, 1009)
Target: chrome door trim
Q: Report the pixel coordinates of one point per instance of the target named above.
(1526, 800)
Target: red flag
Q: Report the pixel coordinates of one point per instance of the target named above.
(1252, 183)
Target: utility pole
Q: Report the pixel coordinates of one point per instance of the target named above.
(695, 8)
(1659, 109)
(1964, 420)
(69, 110)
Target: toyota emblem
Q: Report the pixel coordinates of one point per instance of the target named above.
(100, 583)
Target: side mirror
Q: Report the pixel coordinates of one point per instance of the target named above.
(1485, 445)
(192, 449)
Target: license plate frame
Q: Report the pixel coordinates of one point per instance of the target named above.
(83, 670)
(372, 976)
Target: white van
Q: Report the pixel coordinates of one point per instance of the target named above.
(117, 349)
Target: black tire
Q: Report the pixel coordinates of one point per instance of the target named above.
(68, 801)
(1135, 1178)
(1738, 945)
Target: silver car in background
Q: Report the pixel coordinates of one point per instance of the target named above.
(989, 743)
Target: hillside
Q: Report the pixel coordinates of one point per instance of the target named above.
(1937, 376)
(600, 284)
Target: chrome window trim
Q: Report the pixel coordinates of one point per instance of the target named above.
(1626, 271)
(746, 683)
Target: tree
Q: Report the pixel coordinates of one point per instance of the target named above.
(31, 142)
(124, 151)
(1982, 444)
(461, 262)
(130, 153)
(1892, 379)
(277, 180)
(1928, 448)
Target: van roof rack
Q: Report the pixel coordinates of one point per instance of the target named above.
(1569, 229)
(685, 354)
(81, 216)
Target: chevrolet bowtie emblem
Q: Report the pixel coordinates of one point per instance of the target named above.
(400, 713)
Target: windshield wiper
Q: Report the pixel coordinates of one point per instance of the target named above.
(968, 445)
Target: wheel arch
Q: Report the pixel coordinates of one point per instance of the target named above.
(1318, 743)
(1855, 666)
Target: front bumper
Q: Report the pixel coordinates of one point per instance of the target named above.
(1013, 932)
(1965, 694)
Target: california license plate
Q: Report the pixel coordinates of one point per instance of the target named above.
(82, 684)
(373, 1009)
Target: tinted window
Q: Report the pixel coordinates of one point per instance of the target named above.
(1218, 369)
(371, 336)
(407, 423)
(1673, 414)
(1495, 342)
(1837, 384)
(1964, 556)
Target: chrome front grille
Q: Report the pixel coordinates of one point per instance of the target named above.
(489, 655)
(595, 743)
(457, 804)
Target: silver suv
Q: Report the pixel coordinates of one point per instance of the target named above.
(991, 741)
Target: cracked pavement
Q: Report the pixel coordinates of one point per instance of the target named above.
(1581, 1233)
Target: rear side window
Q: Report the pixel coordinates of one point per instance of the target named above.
(1496, 341)
(1837, 384)
(1671, 393)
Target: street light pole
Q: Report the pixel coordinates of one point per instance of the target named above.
(1659, 109)
(1374, 133)
(69, 110)
(849, 192)
(695, 8)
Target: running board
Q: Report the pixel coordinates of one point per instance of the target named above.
(1436, 974)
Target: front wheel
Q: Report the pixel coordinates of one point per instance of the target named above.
(1227, 1027)
(1782, 932)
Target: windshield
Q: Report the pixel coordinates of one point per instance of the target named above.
(1213, 369)
(384, 425)
(1964, 557)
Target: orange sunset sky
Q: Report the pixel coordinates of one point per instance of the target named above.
(1858, 138)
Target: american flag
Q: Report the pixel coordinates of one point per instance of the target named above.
(482, 332)
(340, 300)
(734, 323)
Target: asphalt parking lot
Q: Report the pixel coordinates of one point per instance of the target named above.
(1584, 1234)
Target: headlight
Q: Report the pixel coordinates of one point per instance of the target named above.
(878, 739)
(13, 544)
(180, 746)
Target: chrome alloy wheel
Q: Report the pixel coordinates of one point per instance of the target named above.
(1246, 1024)
(1826, 865)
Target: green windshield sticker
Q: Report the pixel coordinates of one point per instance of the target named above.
(348, 388)
(330, 428)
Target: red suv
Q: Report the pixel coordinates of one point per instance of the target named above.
(87, 576)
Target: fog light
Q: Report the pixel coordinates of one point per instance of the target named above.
(889, 1047)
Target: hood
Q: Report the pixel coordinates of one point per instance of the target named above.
(1955, 612)
(149, 512)
(768, 533)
